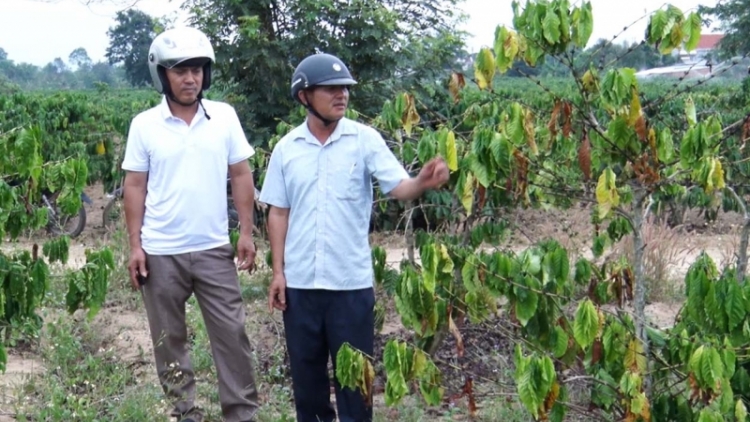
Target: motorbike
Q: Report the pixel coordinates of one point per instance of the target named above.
(57, 223)
(112, 212)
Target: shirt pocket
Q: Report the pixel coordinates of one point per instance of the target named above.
(347, 178)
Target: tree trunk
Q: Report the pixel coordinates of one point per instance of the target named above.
(640, 279)
(742, 252)
(744, 237)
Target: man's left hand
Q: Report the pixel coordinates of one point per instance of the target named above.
(245, 253)
(434, 174)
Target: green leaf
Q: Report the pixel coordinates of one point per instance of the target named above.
(560, 345)
(690, 111)
(692, 30)
(583, 24)
(586, 324)
(740, 411)
(551, 26)
(735, 305)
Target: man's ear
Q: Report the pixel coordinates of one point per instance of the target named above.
(302, 96)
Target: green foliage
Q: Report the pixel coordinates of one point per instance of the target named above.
(27, 176)
(388, 45)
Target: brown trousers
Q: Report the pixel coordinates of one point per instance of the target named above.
(212, 276)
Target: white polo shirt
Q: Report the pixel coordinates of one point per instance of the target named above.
(187, 165)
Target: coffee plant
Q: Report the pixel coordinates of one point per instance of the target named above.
(602, 143)
(25, 275)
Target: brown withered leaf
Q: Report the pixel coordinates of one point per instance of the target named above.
(553, 120)
(482, 193)
(567, 119)
(640, 128)
(745, 132)
(596, 351)
(469, 392)
(554, 393)
(584, 157)
(457, 335)
(455, 85)
(369, 379)
(528, 129)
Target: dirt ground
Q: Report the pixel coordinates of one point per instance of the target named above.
(572, 228)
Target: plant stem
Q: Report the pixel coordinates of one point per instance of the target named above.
(744, 237)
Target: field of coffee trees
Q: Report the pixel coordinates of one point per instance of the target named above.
(579, 343)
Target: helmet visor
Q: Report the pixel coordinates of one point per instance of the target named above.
(338, 81)
(185, 62)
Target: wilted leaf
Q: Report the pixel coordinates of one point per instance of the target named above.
(606, 193)
(484, 68)
(506, 48)
(455, 85)
(528, 128)
(467, 194)
(451, 154)
(584, 157)
(635, 360)
(410, 116)
(456, 335)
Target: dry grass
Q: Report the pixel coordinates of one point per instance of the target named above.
(665, 251)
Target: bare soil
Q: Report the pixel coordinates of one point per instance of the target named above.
(488, 353)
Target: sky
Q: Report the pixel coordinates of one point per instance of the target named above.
(38, 31)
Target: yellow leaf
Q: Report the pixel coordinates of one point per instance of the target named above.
(635, 107)
(590, 82)
(100, 149)
(484, 68)
(717, 175)
(634, 358)
(606, 193)
(467, 194)
(451, 154)
(410, 116)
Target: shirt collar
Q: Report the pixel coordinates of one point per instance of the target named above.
(344, 127)
(166, 113)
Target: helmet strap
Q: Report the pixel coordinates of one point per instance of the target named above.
(168, 92)
(309, 107)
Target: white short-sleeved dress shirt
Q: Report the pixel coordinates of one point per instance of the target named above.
(187, 165)
(328, 189)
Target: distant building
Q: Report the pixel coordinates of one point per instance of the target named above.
(695, 64)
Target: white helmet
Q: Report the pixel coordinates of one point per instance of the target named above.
(183, 46)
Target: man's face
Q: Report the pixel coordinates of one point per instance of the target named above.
(185, 82)
(329, 101)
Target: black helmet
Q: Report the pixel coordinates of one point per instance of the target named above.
(320, 69)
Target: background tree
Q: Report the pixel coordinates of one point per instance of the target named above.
(79, 58)
(129, 42)
(733, 17)
(385, 44)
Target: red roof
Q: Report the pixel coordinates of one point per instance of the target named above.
(709, 41)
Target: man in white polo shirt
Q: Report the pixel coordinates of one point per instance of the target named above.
(319, 187)
(177, 159)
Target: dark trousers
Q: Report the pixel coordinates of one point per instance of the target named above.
(317, 323)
